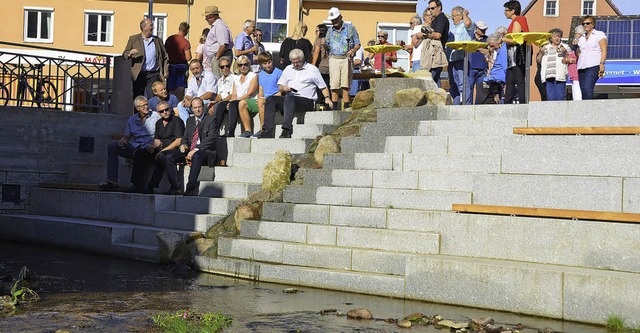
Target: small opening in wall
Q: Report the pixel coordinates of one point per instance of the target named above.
(85, 144)
(11, 193)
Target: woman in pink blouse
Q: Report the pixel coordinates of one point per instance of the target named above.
(572, 60)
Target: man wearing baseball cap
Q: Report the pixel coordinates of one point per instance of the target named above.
(477, 63)
(219, 42)
(343, 42)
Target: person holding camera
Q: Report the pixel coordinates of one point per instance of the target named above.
(437, 31)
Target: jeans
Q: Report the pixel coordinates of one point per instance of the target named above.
(515, 76)
(415, 65)
(556, 90)
(435, 74)
(289, 103)
(588, 78)
(476, 75)
(113, 151)
(456, 69)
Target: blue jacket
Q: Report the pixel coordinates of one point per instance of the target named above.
(498, 72)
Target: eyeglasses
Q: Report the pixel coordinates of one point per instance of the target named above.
(164, 110)
(432, 8)
(143, 105)
(224, 66)
(381, 36)
(587, 23)
(258, 35)
(244, 64)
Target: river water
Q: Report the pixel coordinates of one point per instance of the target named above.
(85, 292)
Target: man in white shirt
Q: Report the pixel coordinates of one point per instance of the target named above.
(415, 42)
(298, 84)
(201, 84)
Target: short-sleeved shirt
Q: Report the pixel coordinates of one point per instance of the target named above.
(141, 132)
(476, 59)
(170, 132)
(218, 35)
(590, 52)
(337, 39)
(441, 25)
(225, 85)
(243, 42)
(377, 63)
(206, 62)
(243, 87)
(173, 102)
(269, 81)
(461, 33)
(305, 80)
(208, 83)
(417, 50)
(176, 46)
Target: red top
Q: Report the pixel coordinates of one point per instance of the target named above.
(520, 19)
(176, 45)
(387, 59)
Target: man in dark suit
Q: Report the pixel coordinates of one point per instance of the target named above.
(149, 61)
(198, 146)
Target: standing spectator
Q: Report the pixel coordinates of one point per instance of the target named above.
(389, 57)
(461, 31)
(516, 54)
(244, 44)
(415, 43)
(267, 83)
(200, 54)
(343, 41)
(138, 134)
(358, 62)
(225, 90)
(160, 94)
(201, 84)
(298, 84)
(440, 26)
(296, 41)
(321, 52)
(592, 54)
(243, 100)
(572, 60)
(497, 74)
(148, 57)
(219, 42)
(477, 62)
(257, 38)
(553, 67)
(179, 52)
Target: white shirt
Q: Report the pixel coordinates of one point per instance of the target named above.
(304, 80)
(208, 83)
(243, 87)
(417, 50)
(225, 85)
(590, 52)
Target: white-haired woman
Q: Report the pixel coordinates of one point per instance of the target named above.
(572, 60)
(552, 58)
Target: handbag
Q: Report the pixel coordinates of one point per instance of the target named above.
(433, 55)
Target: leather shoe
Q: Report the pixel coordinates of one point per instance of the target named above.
(172, 191)
(191, 193)
(265, 134)
(286, 134)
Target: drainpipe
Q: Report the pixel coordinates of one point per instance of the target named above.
(151, 9)
(189, 3)
(300, 10)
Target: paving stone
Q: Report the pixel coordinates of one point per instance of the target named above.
(381, 262)
(359, 217)
(374, 161)
(278, 231)
(417, 199)
(429, 144)
(321, 234)
(316, 256)
(446, 181)
(353, 178)
(355, 282)
(204, 205)
(452, 163)
(295, 213)
(391, 240)
(254, 249)
(395, 179)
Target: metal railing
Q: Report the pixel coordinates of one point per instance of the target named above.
(60, 79)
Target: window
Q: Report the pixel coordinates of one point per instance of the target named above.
(397, 32)
(159, 25)
(588, 7)
(272, 20)
(98, 28)
(38, 25)
(551, 8)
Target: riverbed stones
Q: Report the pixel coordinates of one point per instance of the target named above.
(172, 247)
(452, 325)
(277, 173)
(327, 145)
(359, 314)
(404, 323)
(363, 99)
(203, 247)
(482, 321)
(410, 98)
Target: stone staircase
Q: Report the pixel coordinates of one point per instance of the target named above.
(377, 219)
(126, 224)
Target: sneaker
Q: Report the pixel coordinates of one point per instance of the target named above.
(108, 184)
(286, 134)
(265, 134)
(246, 134)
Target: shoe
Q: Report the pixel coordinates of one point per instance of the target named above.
(191, 193)
(264, 134)
(246, 134)
(148, 190)
(108, 184)
(286, 134)
(172, 191)
(227, 135)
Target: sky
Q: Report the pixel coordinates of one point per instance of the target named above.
(492, 11)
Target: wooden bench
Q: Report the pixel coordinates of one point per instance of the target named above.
(629, 130)
(547, 212)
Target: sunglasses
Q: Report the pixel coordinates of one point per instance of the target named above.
(381, 36)
(587, 23)
(244, 64)
(258, 35)
(164, 110)
(432, 8)
(225, 66)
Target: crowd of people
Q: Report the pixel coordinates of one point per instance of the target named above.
(179, 116)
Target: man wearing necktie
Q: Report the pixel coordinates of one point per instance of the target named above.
(202, 84)
(198, 146)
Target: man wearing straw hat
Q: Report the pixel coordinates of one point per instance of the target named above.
(219, 42)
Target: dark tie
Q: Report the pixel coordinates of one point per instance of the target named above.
(194, 140)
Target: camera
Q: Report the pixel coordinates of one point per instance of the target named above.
(426, 30)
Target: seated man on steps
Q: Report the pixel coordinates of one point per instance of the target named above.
(160, 94)
(202, 84)
(298, 84)
(138, 134)
(198, 147)
(268, 83)
(168, 135)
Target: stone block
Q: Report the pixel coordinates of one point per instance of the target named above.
(126, 207)
(278, 231)
(419, 220)
(374, 161)
(616, 294)
(333, 196)
(389, 240)
(361, 197)
(300, 194)
(424, 112)
(490, 127)
(417, 199)
(374, 144)
(398, 144)
(352, 178)
(316, 256)
(321, 234)
(254, 249)
(331, 118)
(383, 285)
(582, 155)
(186, 221)
(204, 205)
(227, 190)
(620, 112)
(395, 179)
(429, 145)
(541, 191)
(478, 145)
(384, 96)
(380, 262)
(382, 130)
(631, 195)
(255, 271)
(338, 161)
(252, 160)
(294, 146)
(452, 163)
(359, 217)
(316, 177)
(445, 181)
(295, 213)
(238, 174)
(499, 285)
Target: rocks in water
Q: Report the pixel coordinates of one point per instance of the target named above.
(452, 325)
(245, 212)
(327, 145)
(482, 321)
(328, 311)
(172, 247)
(291, 290)
(203, 247)
(359, 314)
(409, 98)
(363, 99)
(277, 173)
(404, 323)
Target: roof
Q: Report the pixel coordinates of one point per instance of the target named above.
(609, 2)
